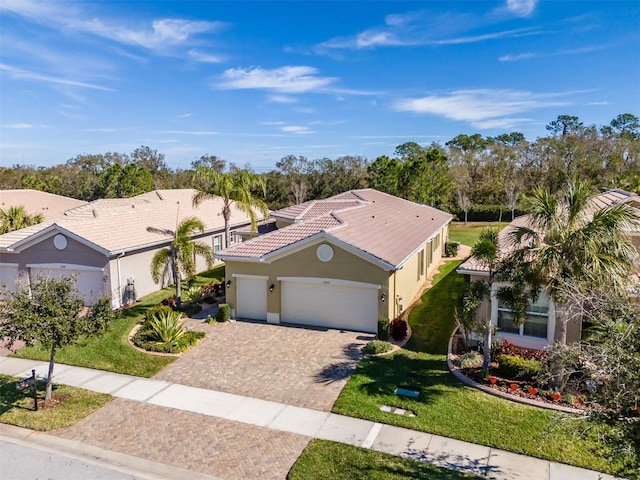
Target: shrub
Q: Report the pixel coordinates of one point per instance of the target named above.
(209, 298)
(165, 327)
(471, 360)
(170, 301)
(383, 329)
(195, 294)
(506, 348)
(155, 311)
(224, 313)
(451, 249)
(190, 338)
(399, 329)
(376, 346)
(190, 309)
(510, 366)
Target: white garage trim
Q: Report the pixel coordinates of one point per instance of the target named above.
(328, 281)
(242, 275)
(330, 303)
(251, 297)
(64, 266)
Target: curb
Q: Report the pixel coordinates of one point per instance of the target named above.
(121, 462)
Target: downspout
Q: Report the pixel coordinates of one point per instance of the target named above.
(119, 279)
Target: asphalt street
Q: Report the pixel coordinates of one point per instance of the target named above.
(18, 462)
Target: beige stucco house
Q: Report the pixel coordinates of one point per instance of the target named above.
(108, 244)
(542, 325)
(341, 262)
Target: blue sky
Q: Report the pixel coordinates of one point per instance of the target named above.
(252, 82)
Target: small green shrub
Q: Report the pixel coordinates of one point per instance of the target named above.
(165, 327)
(451, 249)
(376, 346)
(195, 294)
(399, 329)
(516, 367)
(190, 338)
(224, 312)
(157, 310)
(383, 329)
(471, 360)
(190, 309)
(210, 320)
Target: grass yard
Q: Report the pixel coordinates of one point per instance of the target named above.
(447, 407)
(469, 233)
(323, 459)
(112, 352)
(16, 406)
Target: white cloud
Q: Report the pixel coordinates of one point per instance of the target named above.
(482, 108)
(516, 57)
(281, 99)
(20, 74)
(191, 132)
(297, 129)
(204, 57)
(287, 79)
(17, 125)
(522, 8)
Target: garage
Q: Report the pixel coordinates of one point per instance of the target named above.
(9, 276)
(252, 297)
(89, 280)
(330, 303)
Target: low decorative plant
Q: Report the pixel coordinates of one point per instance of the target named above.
(492, 380)
(533, 390)
(376, 347)
(471, 359)
(224, 313)
(514, 387)
(399, 329)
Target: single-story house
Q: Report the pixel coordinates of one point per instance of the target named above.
(108, 244)
(341, 262)
(49, 205)
(541, 327)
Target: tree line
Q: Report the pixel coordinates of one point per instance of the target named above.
(472, 176)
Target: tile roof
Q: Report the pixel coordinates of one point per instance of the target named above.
(386, 227)
(114, 225)
(51, 206)
(600, 201)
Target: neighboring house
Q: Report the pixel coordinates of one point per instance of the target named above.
(49, 205)
(341, 262)
(541, 327)
(108, 244)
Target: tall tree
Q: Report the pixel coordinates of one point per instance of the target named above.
(236, 189)
(180, 256)
(16, 217)
(568, 239)
(123, 182)
(297, 170)
(52, 312)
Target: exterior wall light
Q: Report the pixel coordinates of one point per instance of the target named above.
(228, 283)
(383, 297)
(271, 287)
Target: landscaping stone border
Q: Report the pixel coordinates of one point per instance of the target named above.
(497, 393)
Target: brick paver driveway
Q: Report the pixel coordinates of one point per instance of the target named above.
(297, 366)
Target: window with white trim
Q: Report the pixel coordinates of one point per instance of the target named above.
(217, 243)
(420, 264)
(535, 325)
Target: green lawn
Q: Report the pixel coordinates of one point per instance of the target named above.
(323, 459)
(469, 233)
(16, 407)
(449, 408)
(112, 351)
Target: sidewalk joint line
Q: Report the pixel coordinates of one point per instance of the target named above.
(372, 435)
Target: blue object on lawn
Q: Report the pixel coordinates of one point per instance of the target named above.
(406, 393)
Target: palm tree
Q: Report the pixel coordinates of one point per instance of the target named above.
(180, 255)
(16, 218)
(569, 240)
(235, 188)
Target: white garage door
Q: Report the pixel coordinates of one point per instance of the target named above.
(8, 276)
(324, 304)
(89, 281)
(251, 298)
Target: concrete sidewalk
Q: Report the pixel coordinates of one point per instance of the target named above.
(440, 451)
